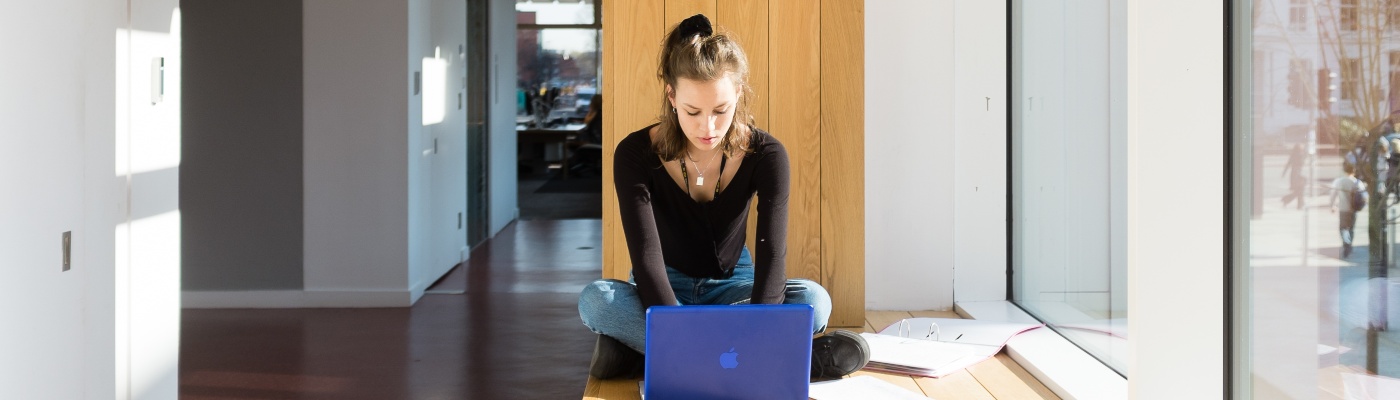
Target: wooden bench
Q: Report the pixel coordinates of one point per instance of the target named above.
(997, 378)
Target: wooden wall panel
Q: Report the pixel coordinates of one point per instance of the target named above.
(679, 10)
(632, 37)
(795, 119)
(843, 158)
(747, 22)
(610, 139)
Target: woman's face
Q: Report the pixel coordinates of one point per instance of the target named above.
(705, 110)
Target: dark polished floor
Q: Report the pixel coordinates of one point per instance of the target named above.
(512, 333)
(583, 200)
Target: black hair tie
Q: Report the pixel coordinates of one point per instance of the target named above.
(695, 25)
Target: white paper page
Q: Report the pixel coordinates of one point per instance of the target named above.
(969, 331)
(860, 388)
(925, 354)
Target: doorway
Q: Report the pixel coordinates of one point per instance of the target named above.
(477, 109)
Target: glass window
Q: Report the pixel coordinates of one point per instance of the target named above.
(1068, 191)
(1263, 96)
(1392, 15)
(1298, 15)
(558, 62)
(1348, 15)
(1394, 63)
(1316, 238)
(1299, 91)
(550, 12)
(1351, 78)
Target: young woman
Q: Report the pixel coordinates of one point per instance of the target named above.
(683, 188)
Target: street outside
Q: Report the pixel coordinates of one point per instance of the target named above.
(1298, 274)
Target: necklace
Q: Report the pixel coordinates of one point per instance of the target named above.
(700, 178)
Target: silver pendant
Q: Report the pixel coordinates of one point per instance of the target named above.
(699, 181)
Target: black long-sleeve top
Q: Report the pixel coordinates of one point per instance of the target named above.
(664, 226)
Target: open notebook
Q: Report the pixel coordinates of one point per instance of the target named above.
(935, 347)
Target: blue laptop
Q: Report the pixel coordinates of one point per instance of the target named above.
(728, 352)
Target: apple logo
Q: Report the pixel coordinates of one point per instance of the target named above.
(729, 360)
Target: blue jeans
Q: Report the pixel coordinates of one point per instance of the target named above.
(612, 307)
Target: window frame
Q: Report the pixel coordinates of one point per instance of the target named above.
(1348, 15)
(597, 22)
(596, 27)
(1298, 15)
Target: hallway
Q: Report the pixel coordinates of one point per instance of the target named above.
(504, 327)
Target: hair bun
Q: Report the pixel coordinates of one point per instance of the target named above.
(695, 25)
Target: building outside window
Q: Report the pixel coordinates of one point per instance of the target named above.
(1392, 15)
(1300, 93)
(1348, 15)
(1298, 15)
(1351, 78)
(558, 49)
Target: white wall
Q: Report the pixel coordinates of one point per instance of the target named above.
(42, 159)
(240, 180)
(935, 153)
(95, 249)
(1175, 152)
(437, 171)
(979, 189)
(358, 85)
(909, 155)
(151, 303)
(384, 186)
(500, 124)
(83, 149)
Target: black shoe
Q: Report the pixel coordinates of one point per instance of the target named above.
(838, 354)
(612, 359)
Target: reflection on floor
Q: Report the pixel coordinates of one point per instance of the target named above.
(512, 333)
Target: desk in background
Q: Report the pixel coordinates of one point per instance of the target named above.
(552, 139)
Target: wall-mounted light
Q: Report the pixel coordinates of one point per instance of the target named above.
(434, 88)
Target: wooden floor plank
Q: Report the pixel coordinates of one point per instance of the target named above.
(935, 314)
(957, 385)
(881, 319)
(904, 381)
(1005, 379)
(612, 389)
(591, 389)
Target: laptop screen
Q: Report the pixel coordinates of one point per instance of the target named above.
(728, 351)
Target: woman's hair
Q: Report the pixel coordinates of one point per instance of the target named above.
(694, 51)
